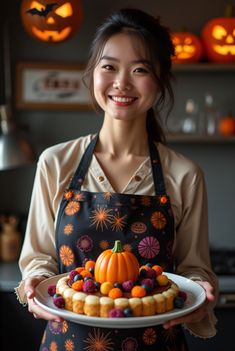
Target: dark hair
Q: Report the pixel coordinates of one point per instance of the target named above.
(157, 41)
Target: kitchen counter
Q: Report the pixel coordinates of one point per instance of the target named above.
(10, 276)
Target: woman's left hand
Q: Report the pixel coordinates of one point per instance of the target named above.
(197, 315)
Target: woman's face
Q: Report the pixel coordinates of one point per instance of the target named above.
(124, 85)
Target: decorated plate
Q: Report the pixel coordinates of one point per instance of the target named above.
(195, 297)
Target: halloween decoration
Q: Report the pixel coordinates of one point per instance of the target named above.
(227, 125)
(188, 47)
(219, 38)
(116, 265)
(51, 21)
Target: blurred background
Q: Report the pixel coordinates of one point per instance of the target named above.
(204, 96)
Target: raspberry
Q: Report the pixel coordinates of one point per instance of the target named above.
(51, 290)
(127, 285)
(59, 302)
(89, 286)
(116, 313)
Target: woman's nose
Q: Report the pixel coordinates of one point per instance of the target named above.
(122, 84)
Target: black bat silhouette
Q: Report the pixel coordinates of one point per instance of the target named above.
(41, 13)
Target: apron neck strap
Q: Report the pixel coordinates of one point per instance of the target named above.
(83, 166)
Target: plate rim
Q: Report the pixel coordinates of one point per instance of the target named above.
(130, 322)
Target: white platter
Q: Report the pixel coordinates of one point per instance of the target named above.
(195, 297)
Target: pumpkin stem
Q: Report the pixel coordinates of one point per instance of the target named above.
(117, 246)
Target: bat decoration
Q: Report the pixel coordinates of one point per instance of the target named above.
(42, 12)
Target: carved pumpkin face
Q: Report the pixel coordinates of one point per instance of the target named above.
(219, 39)
(51, 21)
(188, 47)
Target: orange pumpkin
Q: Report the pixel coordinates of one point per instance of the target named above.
(227, 125)
(51, 21)
(188, 47)
(218, 36)
(116, 265)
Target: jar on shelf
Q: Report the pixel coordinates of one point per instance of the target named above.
(190, 121)
(209, 116)
(10, 239)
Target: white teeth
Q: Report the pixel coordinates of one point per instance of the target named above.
(122, 99)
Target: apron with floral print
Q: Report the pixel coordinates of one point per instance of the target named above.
(90, 222)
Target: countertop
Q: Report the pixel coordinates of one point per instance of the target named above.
(10, 276)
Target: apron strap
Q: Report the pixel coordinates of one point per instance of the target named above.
(83, 166)
(158, 178)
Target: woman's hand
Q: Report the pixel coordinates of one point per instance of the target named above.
(37, 311)
(197, 315)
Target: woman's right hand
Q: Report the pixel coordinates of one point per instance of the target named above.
(37, 311)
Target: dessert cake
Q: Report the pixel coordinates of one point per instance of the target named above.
(116, 286)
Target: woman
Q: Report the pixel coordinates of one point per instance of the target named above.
(128, 75)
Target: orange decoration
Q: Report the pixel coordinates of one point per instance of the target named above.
(227, 125)
(116, 265)
(188, 47)
(115, 293)
(78, 285)
(138, 291)
(89, 264)
(51, 21)
(219, 38)
(158, 269)
(163, 200)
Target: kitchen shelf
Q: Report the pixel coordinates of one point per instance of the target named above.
(199, 139)
(204, 67)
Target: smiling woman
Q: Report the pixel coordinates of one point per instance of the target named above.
(51, 22)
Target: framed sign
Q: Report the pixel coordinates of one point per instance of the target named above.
(51, 86)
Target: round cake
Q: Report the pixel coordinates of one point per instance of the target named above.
(116, 286)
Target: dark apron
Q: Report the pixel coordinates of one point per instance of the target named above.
(90, 222)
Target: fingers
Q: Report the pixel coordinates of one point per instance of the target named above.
(209, 290)
(40, 313)
(30, 285)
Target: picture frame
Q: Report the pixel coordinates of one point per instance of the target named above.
(51, 86)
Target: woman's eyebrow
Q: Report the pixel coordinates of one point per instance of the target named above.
(110, 58)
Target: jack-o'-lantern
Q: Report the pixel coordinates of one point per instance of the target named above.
(51, 21)
(219, 39)
(188, 47)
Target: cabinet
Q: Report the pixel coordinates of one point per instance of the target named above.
(203, 77)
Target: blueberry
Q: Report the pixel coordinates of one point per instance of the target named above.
(179, 302)
(128, 312)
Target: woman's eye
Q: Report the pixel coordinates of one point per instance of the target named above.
(108, 67)
(141, 70)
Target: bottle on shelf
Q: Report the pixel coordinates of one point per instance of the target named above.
(10, 239)
(190, 121)
(209, 117)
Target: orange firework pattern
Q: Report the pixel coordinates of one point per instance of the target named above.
(101, 217)
(104, 244)
(53, 346)
(69, 345)
(117, 222)
(66, 255)
(98, 341)
(145, 200)
(68, 229)
(64, 327)
(158, 220)
(72, 208)
(79, 197)
(107, 195)
(149, 336)
(127, 247)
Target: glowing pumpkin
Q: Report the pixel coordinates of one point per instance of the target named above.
(51, 21)
(188, 47)
(219, 39)
(116, 265)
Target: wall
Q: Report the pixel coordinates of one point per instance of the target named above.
(48, 127)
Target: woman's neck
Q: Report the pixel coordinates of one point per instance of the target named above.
(122, 139)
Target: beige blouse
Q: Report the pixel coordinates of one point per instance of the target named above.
(185, 185)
